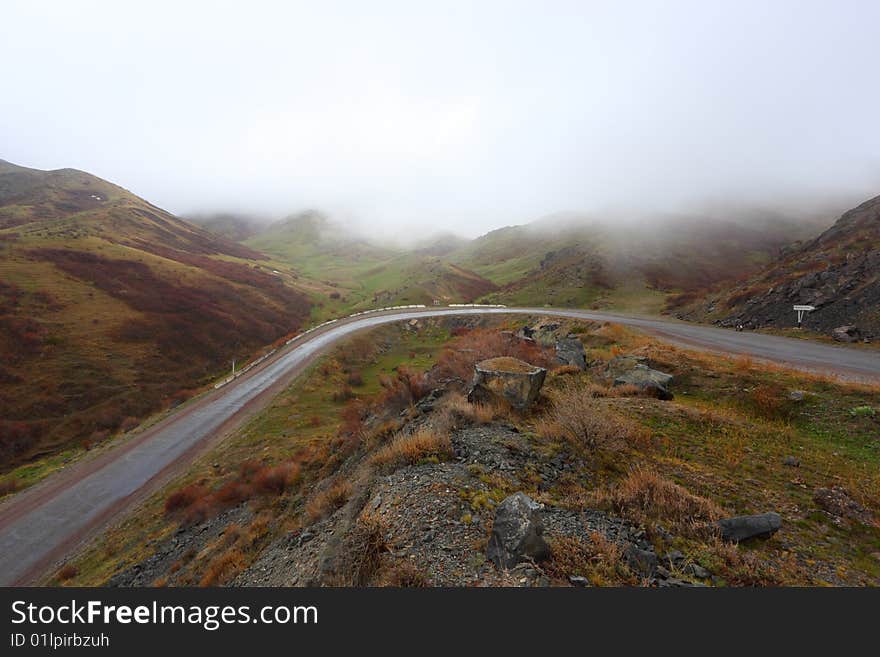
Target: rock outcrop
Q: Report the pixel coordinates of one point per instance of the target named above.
(517, 532)
(511, 379)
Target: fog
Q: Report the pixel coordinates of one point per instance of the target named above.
(413, 117)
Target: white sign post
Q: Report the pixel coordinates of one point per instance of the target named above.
(801, 310)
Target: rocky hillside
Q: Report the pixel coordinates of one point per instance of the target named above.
(838, 273)
(112, 308)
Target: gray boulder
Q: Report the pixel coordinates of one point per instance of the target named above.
(742, 528)
(848, 333)
(517, 532)
(642, 561)
(646, 379)
(570, 351)
(511, 379)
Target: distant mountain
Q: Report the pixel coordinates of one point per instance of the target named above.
(579, 261)
(110, 306)
(361, 274)
(236, 227)
(838, 272)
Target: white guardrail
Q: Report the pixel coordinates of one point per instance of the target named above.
(259, 360)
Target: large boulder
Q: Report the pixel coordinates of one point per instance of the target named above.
(570, 351)
(517, 532)
(511, 379)
(647, 380)
(846, 334)
(742, 528)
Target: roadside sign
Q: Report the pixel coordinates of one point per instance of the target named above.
(801, 309)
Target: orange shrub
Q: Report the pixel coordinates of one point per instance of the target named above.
(185, 497)
(275, 480)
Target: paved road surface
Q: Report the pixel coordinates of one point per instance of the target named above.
(41, 525)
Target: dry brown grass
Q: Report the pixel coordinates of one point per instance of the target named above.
(402, 574)
(361, 555)
(8, 486)
(645, 497)
(739, 567)
(483, 413)
(223, 567)
(600, 560)
(409, 448)
(328, 500)
(565, 370)
(578, 417)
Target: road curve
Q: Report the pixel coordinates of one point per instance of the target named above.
(43, 524)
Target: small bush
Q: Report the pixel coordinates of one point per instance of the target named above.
(185, 497)
(68, 572)
(361, 554)
(343, 394)
(355, 378)
(644, 497)
(275, 480)
(577, 417)
(863, 411)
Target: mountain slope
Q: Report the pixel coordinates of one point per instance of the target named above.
(838, 272)
(110, 307)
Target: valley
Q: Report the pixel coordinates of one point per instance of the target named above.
(119, 318)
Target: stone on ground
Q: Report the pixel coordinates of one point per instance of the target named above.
(743, 528)
(517, 532)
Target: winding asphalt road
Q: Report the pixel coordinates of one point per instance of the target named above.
(40, 526)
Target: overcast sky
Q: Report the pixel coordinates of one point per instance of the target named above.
(426, 115)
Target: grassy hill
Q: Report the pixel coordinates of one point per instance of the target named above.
(838, 272)
(111, 308)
